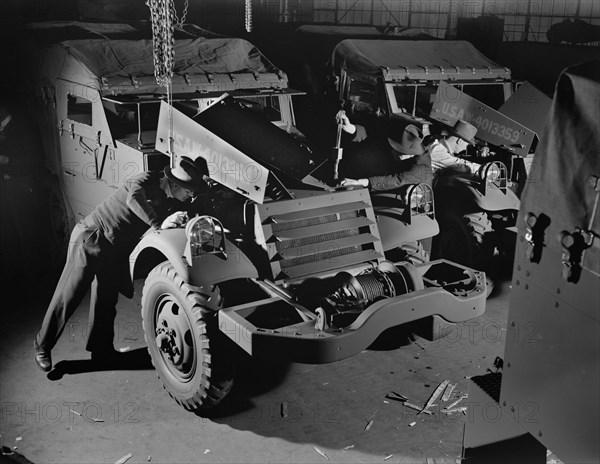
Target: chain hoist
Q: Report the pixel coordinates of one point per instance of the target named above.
(248, 15)
(164, 21)
(163, 15)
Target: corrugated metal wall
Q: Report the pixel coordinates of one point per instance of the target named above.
(523, 19)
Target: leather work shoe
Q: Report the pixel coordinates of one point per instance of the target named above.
(42, 357)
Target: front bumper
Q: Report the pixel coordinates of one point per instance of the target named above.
(303, 342)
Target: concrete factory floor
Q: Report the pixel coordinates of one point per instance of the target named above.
(79, 414)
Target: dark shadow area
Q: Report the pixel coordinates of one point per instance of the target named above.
(254, 377)
(395, 337)
(138, 359)
(9, 456)
(542, 63)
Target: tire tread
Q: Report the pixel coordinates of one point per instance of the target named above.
(203, 304)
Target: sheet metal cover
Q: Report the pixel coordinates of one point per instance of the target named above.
(367, 57)
(259, 139)
(451, 104)
(529, 106)
(568, 154)
(226, 164)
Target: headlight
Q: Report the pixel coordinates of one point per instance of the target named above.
(419, 198)
(493, 173)
(201, 233)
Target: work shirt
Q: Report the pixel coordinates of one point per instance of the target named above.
(442, 158)
(132, 209)
(373, 158)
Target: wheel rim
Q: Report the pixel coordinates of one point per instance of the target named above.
(174, 338)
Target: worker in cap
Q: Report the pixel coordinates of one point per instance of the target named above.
(391, 157)
(99, 249)
(451, 142)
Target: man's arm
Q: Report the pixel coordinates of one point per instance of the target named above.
(359, 132)
(139, 202)
(442, 158)
(418, 172)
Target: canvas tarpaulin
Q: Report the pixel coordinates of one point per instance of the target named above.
(111, 58)
(367, 58)
(87, 61)
(566, 159)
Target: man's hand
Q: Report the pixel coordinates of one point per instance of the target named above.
(177, 219)
(354, 183)
(342, 119)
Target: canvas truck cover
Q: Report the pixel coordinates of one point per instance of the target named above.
(340, 31)
(566, 159)
(99, 62)
(370, 60)
(48, 32)
(324, 31)
(319, 40)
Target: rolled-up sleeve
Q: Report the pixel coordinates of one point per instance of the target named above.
(442, 158)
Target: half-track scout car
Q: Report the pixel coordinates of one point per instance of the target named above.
(271, 260)
(427, 82)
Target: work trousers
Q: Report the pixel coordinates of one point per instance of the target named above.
(91, 260)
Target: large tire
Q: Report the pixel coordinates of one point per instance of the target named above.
(467, 240)
(191, 356)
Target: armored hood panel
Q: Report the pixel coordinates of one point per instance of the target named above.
(420, 59)
(529, 106)
(259, 139)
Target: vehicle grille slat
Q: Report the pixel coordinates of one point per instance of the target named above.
(322, 228)
(324, 211)
(312, 221)
(317, 234)
(319, 249)
(318, 267)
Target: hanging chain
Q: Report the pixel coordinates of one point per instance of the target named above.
(248, 15)
(179, 22)
(164, 21)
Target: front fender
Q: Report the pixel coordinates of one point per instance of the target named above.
(394, 232)
(169, 242)
(211, 269)
(397, 226)
(496, 200)
(466, 187)
(207, 269)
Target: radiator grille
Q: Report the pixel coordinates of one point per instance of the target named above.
(311, 240)
(319, 234)
(313, 221)
(324, 256)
